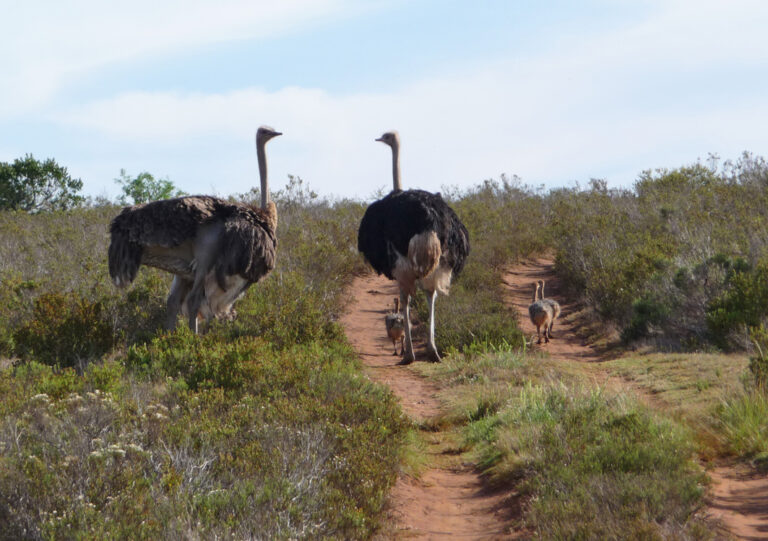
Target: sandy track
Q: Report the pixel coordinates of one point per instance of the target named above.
(444, 502)
(518, 284)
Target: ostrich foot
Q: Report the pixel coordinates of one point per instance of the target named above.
(432, 354)
(408, 358)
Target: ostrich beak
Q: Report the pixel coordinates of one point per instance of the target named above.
(381, 139)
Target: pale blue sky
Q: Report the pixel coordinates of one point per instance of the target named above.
(553, 91)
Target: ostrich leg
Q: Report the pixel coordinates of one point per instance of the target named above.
(431, 348)
(179, 289)
(408, 356)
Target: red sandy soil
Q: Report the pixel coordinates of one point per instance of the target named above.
(738, 499)
(738, 496)
(444, 502)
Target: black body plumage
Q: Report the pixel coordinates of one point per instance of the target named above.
(389, 224)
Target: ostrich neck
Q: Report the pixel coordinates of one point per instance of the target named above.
(536, 294)
(262, 157)
(542, 291)
(396, 167)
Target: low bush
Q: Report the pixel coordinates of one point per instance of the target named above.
(223, 439)
(676, 260)
(742, 305)
(65, 330)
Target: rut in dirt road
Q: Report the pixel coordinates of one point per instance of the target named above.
(445, 502)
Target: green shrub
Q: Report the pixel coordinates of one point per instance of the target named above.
(743, 304)
(65, 330)
(646, 314)
(670, 260)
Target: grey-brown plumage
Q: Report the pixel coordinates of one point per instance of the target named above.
(215, 248)
(395, 324)
(540, 314)
(551, 302)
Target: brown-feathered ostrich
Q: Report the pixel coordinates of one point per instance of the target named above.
(414, 238)
(215, 248)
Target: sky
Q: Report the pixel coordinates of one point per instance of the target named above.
(556, 92)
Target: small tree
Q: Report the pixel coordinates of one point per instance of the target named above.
(34, 186)
(144, 188)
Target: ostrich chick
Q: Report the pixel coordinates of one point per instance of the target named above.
(551, 302)
(395, 323)
(540, 313)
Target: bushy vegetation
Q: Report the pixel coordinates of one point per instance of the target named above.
(264, 426)
(144, 187)
(261, 428)
(197, 437)
(675, 261)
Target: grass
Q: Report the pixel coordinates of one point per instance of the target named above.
(589, 463)
(689, 384)
(711, 393)
(741, 424)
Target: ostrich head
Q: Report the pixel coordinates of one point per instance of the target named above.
(265, 133)
(391, 138)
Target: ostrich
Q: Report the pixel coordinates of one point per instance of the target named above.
(215, 248)
(414, 238)
(395, 327)
(553, 303)
(540, 313)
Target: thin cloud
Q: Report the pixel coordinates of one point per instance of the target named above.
(46, 45)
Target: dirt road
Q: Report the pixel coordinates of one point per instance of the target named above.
(447, 501)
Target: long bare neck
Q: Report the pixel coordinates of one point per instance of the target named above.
(398, 185)
(536, 293)
(261, 154)
(542, 290)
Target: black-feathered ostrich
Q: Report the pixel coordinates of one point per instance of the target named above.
(215, 248)
(414, 238)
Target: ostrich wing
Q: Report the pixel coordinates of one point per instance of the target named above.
(389, 224)
(167, 223)
(248, 247)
